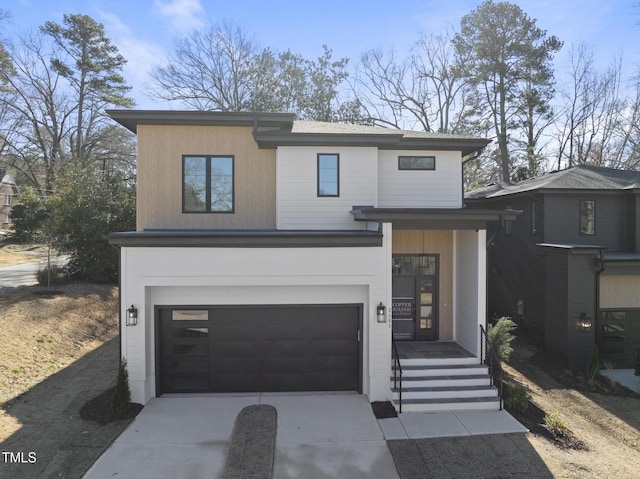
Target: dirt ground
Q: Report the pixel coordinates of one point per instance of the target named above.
(11, 253)
(608, 425)
(56, 353)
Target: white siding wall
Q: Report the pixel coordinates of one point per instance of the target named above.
(469, 287)
(209, 276)
(440, 188)
(297, 203)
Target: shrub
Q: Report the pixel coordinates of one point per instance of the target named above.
(122, 394)
(516, 398)
(501, 335)
(49, 275)
(556, 425)
(593, 367)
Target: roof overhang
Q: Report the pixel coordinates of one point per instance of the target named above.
(246, 238)
(268, 139)
(429, 218)
(130, 119)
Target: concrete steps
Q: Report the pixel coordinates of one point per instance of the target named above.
(444, 385)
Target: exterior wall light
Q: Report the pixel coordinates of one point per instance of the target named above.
(381, 311)
(132, 316)
(585, 323)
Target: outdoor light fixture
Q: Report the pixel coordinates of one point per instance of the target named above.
(382, 313)
(132, 316)
(584, 323)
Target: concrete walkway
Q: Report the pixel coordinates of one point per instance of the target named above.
(419, 425)
(318, 436)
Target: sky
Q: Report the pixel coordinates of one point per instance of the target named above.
(145, 30)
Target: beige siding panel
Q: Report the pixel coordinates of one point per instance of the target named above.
(433, 242)
(160, 151)
(619, 291)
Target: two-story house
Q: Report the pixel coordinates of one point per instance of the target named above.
(280, 255)
(8, 199)
(569, 267)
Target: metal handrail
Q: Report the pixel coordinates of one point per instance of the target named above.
(395, 374)
(489, 357)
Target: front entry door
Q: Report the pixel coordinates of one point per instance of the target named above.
(415, 293)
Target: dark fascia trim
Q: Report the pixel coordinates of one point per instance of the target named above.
(456, 218)
(246, 238)
(388, 141)
(130, 119)
(274, 139)
(466, 145)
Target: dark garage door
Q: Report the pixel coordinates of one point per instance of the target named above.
(258, 348)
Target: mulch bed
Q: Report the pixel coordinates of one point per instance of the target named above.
(100, 410)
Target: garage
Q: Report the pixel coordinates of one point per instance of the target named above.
(258, 348)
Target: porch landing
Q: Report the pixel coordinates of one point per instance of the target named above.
(431, 350)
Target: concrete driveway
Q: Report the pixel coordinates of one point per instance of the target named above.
(318, 436)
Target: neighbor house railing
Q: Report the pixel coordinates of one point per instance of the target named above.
(397, 372)
(489, 358)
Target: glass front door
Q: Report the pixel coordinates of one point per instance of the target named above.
(415, 292)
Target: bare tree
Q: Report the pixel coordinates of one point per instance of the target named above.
(595, 125)
(38, 110)
(214, 69)
(422, 92)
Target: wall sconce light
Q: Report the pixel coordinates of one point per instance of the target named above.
(381, 311)
(585, 323)
(132, 316)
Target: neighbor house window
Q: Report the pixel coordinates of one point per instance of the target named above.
(534, 218)
(7, 200)
(416, 162)
(508, 224)
(587, 217)
(207, 184)
(328, 174)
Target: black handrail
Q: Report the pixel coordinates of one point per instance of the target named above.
(489, 357)
(398, 367)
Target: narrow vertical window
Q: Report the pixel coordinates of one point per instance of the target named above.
(7, 200)
(587, 217)
(534, 218)
(221, 184)
(508, 224)
(195, 184)
(328, 174)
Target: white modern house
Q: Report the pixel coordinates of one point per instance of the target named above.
(281, 255)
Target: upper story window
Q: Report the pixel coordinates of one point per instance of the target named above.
(208, 184)
(328, 174)
(7, 200)
(416, 162)
(534, 217)
(587, 217)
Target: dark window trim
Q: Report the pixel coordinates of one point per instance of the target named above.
(208, 209)
(580, 217)
(416, 169)
(320, 195)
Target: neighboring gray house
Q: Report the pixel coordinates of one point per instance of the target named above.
(569, 267)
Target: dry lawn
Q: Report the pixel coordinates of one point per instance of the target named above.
(609, 425)
(41, 334)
